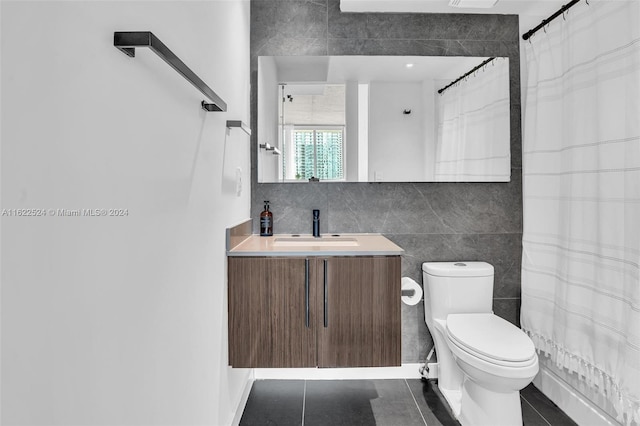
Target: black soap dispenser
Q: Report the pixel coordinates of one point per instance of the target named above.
(266, 221)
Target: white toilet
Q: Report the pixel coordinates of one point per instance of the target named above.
(483, 360)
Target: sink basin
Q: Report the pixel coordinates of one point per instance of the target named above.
(327, 241)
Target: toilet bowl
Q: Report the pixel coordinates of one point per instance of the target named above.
(483, 360)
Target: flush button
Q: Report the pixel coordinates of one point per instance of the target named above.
(459, 264)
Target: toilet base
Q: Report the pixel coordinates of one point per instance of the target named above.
(483, 407)
(453, 398)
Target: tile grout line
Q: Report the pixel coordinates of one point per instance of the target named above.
(415, 402)
(304, 399)
(534, 409)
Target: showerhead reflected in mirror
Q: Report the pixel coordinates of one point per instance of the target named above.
(381, 119)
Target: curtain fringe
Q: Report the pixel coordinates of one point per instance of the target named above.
(627, 409)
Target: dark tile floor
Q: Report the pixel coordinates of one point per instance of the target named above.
(371, 402)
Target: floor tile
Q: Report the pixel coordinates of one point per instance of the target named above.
(360, 402)
(431, 403)
(274, 402)
(547, 409)
(530, 417)
(412, 402)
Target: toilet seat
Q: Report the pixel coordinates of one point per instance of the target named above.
(492, 339)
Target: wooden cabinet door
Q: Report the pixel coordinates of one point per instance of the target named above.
(269, 325)
(359, 311)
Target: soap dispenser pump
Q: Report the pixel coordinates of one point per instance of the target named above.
(266, 221)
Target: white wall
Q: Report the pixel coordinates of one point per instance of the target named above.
(430, 128)
(394, 135)
(119, 320)
(351, 131)
(268, 129)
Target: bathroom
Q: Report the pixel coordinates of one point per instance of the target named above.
(122, 320)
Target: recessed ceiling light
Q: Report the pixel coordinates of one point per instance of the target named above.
(476, 4)
(409, 65)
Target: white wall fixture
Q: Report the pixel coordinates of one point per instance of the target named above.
(238, 181)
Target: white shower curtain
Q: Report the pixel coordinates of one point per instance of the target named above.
(473, 127)
(581, 168)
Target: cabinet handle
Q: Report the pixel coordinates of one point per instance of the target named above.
(306, 291)
(326, 296)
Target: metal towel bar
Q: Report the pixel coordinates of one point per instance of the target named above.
(127, 41)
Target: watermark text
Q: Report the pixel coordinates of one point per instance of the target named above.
(57, 212)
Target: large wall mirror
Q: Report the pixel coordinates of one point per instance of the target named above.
(383, 119)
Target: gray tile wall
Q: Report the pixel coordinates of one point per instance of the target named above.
(431, 221)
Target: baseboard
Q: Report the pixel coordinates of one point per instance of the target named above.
(405, 371)
(573, 403)
(243, 400)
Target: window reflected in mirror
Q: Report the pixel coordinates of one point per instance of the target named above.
(312, 119)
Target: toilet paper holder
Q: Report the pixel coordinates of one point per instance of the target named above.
(410, 291)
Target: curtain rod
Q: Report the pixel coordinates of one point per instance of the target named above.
(549, 19)
(465, 75)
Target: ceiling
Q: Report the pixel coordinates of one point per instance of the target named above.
(338, 69)
(538, 8)
(393, 68)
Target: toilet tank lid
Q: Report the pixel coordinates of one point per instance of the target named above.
(458, 269)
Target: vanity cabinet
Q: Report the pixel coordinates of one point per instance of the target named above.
(267, 312)
(339, 311)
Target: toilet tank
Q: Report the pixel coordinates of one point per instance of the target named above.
(457, 287)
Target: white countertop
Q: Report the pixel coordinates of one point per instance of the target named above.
(307, 245)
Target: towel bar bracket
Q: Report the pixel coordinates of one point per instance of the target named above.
(129, 51)
(239, 124)
(210, 107)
